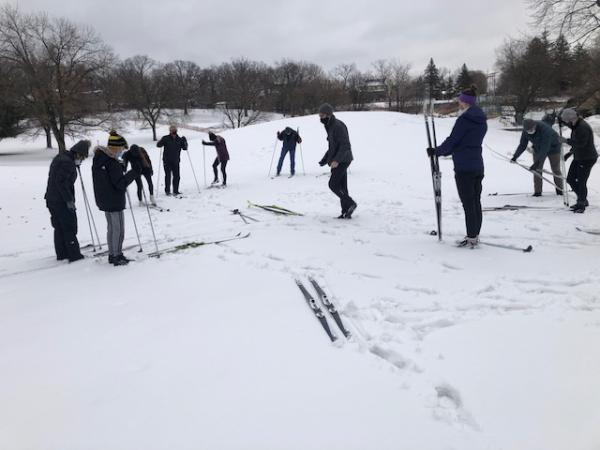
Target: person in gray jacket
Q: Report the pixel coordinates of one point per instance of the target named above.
(584, 154)
(546, 144)
(339, 157)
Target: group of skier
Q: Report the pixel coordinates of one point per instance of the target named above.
(111, 177)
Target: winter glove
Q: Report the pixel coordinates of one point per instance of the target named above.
(431, 151)
(71, 206)
(563, 140)
(322, 162)
(513, 160)
(534, 167)
(568, 155)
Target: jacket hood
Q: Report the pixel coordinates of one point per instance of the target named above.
(475, 114)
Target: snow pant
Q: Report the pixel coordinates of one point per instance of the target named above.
(64, 222)
(555, 165)
(140, 186)
(579, 172)
(469, 188)
(223, 170)
(116, 232)
(171, 170)
(338, 183)
(284, 152)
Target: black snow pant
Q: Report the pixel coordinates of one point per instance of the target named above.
(469, 189)
(579, 172)
(64, 222)
(338, 183)
(140, 186)
(223, 170)
(171, 170)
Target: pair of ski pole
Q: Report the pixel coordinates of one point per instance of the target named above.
(191, 165)
(275, 149)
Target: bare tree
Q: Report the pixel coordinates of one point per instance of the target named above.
(343, 72)
(146, 88)
(56, 59)
(578, 19)
(383, 70)
(401, 83)
(186, 78)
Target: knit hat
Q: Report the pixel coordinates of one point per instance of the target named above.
(529, 125)
(212, 136)
(326, 109)
(82, 148)
(116, 140)
(569, 115)
(469, 96)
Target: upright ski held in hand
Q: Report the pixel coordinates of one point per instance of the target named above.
(316, 310)
(328, 304)
(436, 175)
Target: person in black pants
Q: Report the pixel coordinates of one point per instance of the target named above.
(173, 144)
(339, 157)
(140, 155)
(218, 142)
(465, 146)
(60, 200)
(584, 154)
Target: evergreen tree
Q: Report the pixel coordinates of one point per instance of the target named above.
(562, 60)
(432, 80)
(464, 79)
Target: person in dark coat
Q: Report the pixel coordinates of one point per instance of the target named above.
(290, 139)
(60, 200)
(339, 157)
(465, 146)
(173, 144)
(110, 187)
(545, 145)
(222, 156)
(140, 155)
(584, 155)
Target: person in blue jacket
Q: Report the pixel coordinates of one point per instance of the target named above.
(464, 144)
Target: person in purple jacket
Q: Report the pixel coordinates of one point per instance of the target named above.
(464, 144)
(222, 156)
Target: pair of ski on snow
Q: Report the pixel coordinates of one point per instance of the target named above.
(318, 312)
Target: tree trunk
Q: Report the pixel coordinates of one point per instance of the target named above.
(48, 137)
(185, 108)
(153, 126)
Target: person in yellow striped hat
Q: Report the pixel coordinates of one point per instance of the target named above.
(116, 143)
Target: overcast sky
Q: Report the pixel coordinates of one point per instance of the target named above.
(327, 32)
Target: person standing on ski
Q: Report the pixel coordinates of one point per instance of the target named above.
(140, 155)
(338, 157)
(60, 200)
(290, 139)
(173, 145)
(584, 155)
(545, 145)
(110, 187)
(222, 156)
(465, 146)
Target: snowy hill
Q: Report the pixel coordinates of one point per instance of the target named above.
(215, 347)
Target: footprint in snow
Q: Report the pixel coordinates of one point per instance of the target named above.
(395, 359)
(449, 407)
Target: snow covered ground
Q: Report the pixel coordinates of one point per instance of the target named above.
(215, 348)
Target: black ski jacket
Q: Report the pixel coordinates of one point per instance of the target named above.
(110, 182)
(173, 144)
(61, 179)
(339, 149)
(582, 142)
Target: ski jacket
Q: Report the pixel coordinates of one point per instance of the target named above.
(138, 155)
(290, 138)
(465, 140)
(339, 149)
(173, 144)
(221, 147)
(61, 179)
(582, 142)
(110, 182)
(545, 142)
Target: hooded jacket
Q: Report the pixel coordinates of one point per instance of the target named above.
(173, 144)
(221, 147)
(545, 142)
(582, 141)
(110, 181)
(339, 149)
(464, 143)
(63, 174)
(290, 138)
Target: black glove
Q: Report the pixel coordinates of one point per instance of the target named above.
(71, 206)
(513, 160)
(322, 162)
(534, 167)
(568, 155)
(431, 151)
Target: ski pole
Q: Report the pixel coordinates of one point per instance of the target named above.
(89, 212)
(272, 157)
(151, 222)
(563, 168)
(204, 163)
(158, 172)
(301, 154)
(193, 171)
(134, 222)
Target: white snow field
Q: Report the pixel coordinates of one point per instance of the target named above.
(215, 348)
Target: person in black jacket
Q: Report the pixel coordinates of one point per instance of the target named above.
(339, 157)
(139, 154)
(584, 155)
(290, 139)
(218, 142)
(173, 144)
(110, 186)
(60, 200)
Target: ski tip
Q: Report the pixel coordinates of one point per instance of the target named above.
(529, 249)
(433, 233)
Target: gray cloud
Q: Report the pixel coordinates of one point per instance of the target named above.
(325, 32)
